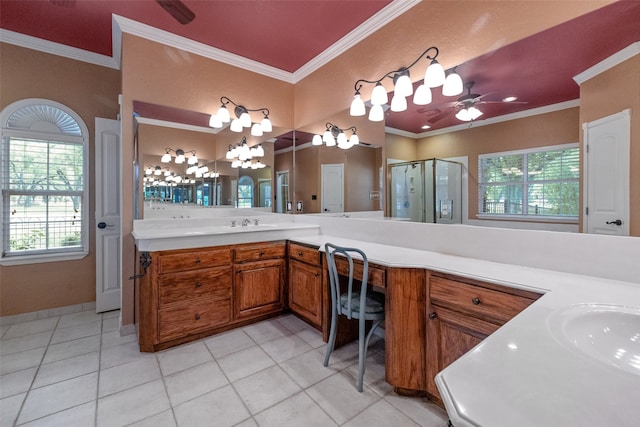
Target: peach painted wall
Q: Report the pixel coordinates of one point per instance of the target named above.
(91, 91)
(560, 127)
(611, 92)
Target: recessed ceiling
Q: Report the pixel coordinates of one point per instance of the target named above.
(538, 70)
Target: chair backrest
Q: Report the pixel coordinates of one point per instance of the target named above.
(331, 251)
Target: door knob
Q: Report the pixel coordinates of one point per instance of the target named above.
(616, 222)
(102, 225)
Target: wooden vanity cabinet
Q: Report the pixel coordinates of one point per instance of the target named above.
(182, 294)
(259, 276)
(305, 283)
(460, 314)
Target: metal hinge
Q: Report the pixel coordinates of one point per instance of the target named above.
(586, 210)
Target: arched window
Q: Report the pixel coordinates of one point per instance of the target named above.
(44, 183)
(245, 192)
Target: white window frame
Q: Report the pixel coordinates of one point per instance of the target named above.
(524, 216)
(241, 183)
(46, 133)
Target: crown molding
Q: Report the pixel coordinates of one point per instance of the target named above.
(505, 118)
(176, 125)
(148, 32)
(46, 46)
(617, 58)
(371, 25)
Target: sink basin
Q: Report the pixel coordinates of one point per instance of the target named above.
(606, 333)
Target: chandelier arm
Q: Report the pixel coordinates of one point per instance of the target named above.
(228, 101)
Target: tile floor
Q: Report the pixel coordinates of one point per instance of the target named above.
(76, 370)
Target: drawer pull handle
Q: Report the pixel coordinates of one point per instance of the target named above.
(317, 274)
(198, 261)
(197, 316)
(198, 284)
(299, 253)
(261, 253)
(433, 315)
(476, 301)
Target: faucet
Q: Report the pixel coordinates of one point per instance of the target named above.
(245, 222)
(256, 221)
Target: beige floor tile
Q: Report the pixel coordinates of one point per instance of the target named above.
(265, 388)
(27, 342)
(183, 357)
(163, 419)
(374, 373)
(79, 416)
(338, 396)
(307, 369)
(132, 405)
(284, 348)
(229, 342)
(293, 412)
(267, 330)
(293, 323)
(77, 331)
(380, 414)
(222, 405)
(420, 410)
(312, 337)
(72, 348)
(193, 382)
(16, 382)
(121, 354)
(128, 375)
(9, 408)
(32, 327)
(59, 396)
(79, 318)
(113, 338)
(22, 360)
(245, 362)
(66, 369)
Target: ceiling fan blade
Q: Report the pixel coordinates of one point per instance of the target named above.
(178, 10)
(440, 116)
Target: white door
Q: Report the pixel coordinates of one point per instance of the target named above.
(108, 208)
(282, 191)
(332, 188)
(606, 177)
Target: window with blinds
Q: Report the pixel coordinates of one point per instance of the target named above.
(532, 183)
(43, 184)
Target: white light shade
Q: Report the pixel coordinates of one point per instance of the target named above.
(245, 119)
(166, 158)
(254, 166)
(178, 179)
(168, 178)
(260, 151)
(398, 103)
(261, 165)
(204, 169)
(229, 155)
(198, 174)
(246, 164)
(403, 86)
(215, 122)
(256, 129)
(327, 137)
(468, 114)
(317, 140)
(266, 125)
(236, 164)
(254, 151)
(345, 145)
(167, 173)
(474, 113)
(379, 95)
(180, 158)
(422, 95)
(434, 76)
(191, 170)
(376, 113)
(149, 170)
(193, 160)
(223, 114)
(357, 106)
(342, 138)
(452, 85)
(236, 125)
(158, 171)
(354, 140)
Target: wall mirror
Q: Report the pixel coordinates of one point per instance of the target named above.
(209, 182)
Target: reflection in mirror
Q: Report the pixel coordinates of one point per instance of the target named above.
(211, 180)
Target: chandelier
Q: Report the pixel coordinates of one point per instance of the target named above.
(403, 87)
(334, 135)
(242, 119)
(180, 156)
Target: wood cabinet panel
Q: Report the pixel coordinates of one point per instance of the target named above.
(405, 328)
(212, 283)
(260, 252)
(174, 261)
(305, 291)
(476, 300)
(259, 287)
(376, 275)
(179, 320)
(304, 253)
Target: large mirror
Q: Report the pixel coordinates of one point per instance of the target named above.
(206, 177)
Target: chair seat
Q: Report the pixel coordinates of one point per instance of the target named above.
(375, 302)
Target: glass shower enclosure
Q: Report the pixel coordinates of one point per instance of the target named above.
(426, 191)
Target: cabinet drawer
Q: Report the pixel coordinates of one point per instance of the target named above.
(212, 283)
(188, 260)
(262, 251)
(494, 305)
(180, 320)
(304, 254)
(376, 274)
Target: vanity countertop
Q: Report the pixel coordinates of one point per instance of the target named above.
(526, 373)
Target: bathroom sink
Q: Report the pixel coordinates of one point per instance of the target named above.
(609, 334)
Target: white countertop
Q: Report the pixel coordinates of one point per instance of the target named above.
(521, 375)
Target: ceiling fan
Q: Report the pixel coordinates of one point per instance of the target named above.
(178, 10)
(465, 106)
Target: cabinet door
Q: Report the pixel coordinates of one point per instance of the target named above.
(449, 336)
(305, 291)
(259, 287)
